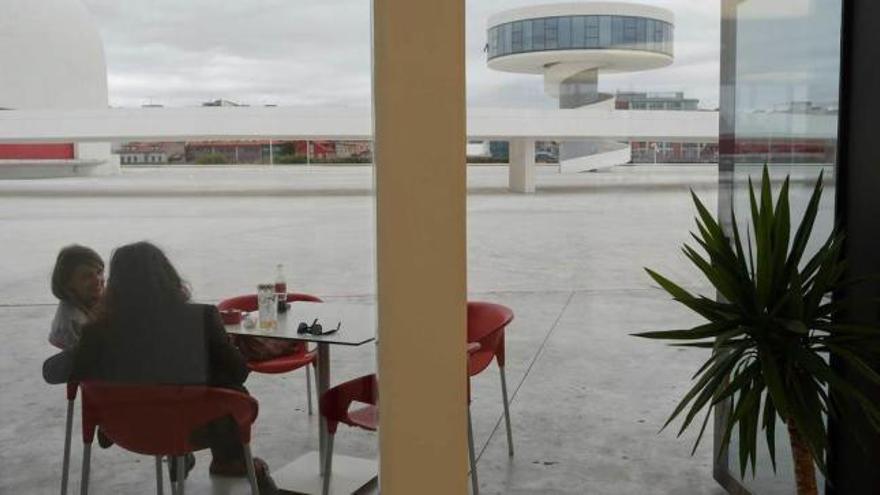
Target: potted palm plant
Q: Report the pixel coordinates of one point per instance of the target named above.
(771, 332)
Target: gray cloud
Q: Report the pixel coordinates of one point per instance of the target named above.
(286, 52)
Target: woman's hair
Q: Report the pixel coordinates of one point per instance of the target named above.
(143, 285)
(69, 259)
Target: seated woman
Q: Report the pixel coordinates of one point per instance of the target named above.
(146, 331)
(77, 282)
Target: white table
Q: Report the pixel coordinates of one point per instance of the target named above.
(358, 327)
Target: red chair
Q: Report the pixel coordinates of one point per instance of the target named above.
(299, 358)
(336, 405)
(485, 326)
(157, 420)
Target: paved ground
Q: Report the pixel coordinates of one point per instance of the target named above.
(588, 399)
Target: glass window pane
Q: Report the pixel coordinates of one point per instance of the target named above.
(538, 34)
(527, 35)
(551, 40)
(592, 32)
(629, 31)
(565, 32)
(516, 37)
(577, 31)
(605, 31)
(616, 31)
(655, 41)
(640, 33)
(784, 70)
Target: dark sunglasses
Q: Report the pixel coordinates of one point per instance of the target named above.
(315, 328)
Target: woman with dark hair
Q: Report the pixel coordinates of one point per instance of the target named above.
(145, 330)
(77, 282)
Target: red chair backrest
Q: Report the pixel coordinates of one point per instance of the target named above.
(249, 302)
(335, 403)
(158, 419)
(485, 324)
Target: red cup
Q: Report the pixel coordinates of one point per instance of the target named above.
(231, 316)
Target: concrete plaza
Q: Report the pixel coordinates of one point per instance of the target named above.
(587, 399)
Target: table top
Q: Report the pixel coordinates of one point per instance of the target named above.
(357, 323)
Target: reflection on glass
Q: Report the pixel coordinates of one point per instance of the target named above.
(785, 77)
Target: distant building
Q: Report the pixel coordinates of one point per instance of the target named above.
(665, 151)
(232, 151)
(257, 151)
(673, 152)
(353, 149)
(654, 101)
(500, 150)
(806, 107)
(136, 153)
(320, 150)
(142, 153)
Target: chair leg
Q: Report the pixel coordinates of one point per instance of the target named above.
(176, 488)
(328, 465)
(309, 387)
(251, 471)
(475, 485)
(87, 458)
(181, 475)
(160, 488)
(506, 412)
(171, 463)
(65, 467)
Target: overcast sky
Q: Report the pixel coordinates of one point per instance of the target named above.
(317, 53)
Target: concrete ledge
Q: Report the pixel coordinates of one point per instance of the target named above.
(46, 169)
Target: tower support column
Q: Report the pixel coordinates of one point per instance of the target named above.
(521, 172)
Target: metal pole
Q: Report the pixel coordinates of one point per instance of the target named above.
(323, 375)
(271, 155)
(308, 152)
(66, 466)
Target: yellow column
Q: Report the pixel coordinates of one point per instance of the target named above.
(420, 138)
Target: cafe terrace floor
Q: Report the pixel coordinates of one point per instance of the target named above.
(587, 399)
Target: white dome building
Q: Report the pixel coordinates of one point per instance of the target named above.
(52, 58)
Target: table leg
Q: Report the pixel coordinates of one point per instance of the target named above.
(323, 376)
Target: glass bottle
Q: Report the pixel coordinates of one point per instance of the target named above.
(280, 282)
(281, 288)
